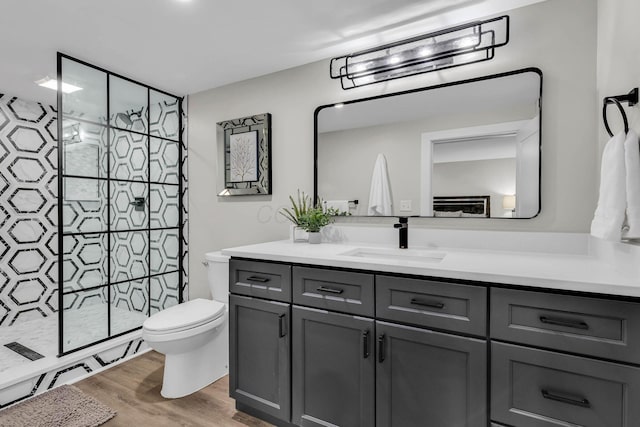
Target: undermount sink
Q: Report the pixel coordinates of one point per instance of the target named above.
(412, 255)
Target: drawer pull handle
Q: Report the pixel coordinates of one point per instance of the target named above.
(330, 290)
(438, 305)
(381, 348)
(365, 344)
(564, 322)
(584, 403)
(282, 330)
(258, 279)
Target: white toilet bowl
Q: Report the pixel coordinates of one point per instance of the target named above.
(193, 336)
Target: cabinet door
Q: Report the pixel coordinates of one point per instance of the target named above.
(333, 369)
(427, 378)
(259, 355)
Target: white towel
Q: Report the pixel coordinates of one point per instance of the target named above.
(339, 205)
(632, 165)
(380, 193)
(612, 201)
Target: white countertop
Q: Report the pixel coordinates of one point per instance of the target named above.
(584, 272)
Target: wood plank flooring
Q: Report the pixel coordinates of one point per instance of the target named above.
(133, 390)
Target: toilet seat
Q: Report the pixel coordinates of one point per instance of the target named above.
(185, 316)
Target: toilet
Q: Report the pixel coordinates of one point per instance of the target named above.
(194, 335)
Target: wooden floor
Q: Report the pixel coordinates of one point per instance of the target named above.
(133, 390)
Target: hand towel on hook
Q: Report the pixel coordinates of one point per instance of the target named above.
(612, 200)
(631, 229)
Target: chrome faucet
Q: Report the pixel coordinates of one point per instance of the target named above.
(403, 236)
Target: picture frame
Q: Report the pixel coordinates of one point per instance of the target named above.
(244, 147)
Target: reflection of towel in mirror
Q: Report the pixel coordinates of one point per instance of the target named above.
(380, 193)
(632, 166)
(612, 201)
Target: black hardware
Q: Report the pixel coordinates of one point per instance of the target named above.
(381, 348)
(576, 324)
(416, 301)
(364, 68)
(258, 279)
(330, 290)
(403, 236)
(365, 344)
(138, 203)
(282, 330)
(631, 99)
(582, 402)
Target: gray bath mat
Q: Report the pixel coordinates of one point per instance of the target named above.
(64, 406)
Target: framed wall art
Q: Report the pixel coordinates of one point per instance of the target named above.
(244, 144)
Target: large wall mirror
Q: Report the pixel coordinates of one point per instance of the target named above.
(465, 149)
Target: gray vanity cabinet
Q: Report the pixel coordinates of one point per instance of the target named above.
(333, 369)
(259, 355)
(537, 388)
(427, 378)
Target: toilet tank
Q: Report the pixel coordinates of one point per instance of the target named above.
(218, 276)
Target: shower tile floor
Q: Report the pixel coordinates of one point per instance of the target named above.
(41, 335)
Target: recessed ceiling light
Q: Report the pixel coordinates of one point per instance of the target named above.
(50, 83)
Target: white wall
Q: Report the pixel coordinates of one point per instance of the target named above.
(558, 36)
(618, 59)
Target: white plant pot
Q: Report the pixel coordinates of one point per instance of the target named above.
(315, 237)
(297, 234)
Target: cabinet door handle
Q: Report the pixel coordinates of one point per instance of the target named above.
(330, 290)
(381, 348)
(582, 402)
(282, 327)
(432, 304)
(577, 324)
(258, 279)
(365, 344)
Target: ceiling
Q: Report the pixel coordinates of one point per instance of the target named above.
(187, 46)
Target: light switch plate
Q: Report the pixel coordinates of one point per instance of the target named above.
(405, 205)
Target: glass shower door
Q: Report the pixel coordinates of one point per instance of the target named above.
(119, 203)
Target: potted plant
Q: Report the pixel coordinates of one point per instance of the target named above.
(307, 217)
(313, 220)
(299, 207)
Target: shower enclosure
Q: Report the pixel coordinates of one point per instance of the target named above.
(120, 205)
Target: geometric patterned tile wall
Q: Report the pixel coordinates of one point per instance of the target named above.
(28, 214)
(28, 210)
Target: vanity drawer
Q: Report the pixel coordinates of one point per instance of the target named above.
(430, 303)
(343, 291)
(260, 279)
(533, 388)
(590, 326)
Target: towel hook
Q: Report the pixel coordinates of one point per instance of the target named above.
(631, 98)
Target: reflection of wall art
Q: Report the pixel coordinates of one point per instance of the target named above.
(245, 146)
(243, 157)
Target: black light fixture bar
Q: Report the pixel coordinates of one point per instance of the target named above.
(461, 45)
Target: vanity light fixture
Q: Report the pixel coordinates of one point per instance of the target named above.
(50, 83)
(452, 47)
